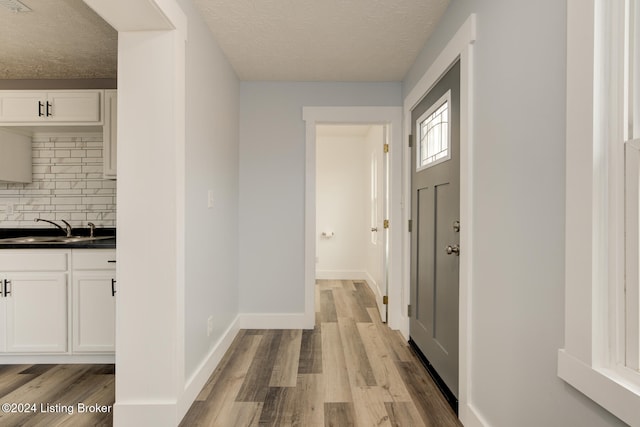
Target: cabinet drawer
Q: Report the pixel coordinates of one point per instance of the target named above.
(18, 260)
(94, 259)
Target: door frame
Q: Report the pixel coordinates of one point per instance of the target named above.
(460, 46)
(391, 116)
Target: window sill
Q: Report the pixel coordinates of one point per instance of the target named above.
(606, 387)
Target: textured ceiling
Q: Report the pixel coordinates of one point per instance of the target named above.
(59, 39)
(285, 40)
(322, 40)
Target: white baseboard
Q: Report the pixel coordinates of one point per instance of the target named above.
(57, 359)
(199, 378)
(273, 321)
(470, 417)
(169, 413)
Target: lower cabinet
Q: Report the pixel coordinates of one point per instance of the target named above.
(57, 301)
(35, 312)
(94, 303)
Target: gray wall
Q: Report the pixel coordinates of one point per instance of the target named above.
(212, 164)
(518, 183)
(272, 159)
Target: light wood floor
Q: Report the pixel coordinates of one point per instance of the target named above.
(351, 370)
(65, 385)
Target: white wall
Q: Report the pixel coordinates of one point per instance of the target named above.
(177, 260)
(518, 174)
(212, 164)
(272, 161)
(342, 201)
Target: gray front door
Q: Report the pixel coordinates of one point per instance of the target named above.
(435, 201)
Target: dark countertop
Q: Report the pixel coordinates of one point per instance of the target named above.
(109, 243)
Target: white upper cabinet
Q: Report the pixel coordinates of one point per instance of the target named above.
(79, 107)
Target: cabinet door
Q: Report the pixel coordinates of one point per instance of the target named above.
(94, 312)
(109, 133)
(22, 106)
(81, 106)
(36, 313)
(3, 316)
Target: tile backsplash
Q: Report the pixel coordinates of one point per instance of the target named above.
(67, 184)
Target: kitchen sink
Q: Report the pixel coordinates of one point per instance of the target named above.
(50, 239)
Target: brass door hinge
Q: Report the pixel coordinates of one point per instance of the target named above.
(409, 313)
(385, 300)
(385, 148)
(410, 225)
(410, 141)
(385, 223)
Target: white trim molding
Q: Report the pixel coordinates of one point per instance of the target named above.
(594, 231)
(196, 382)
(391, 116)
(459, 47)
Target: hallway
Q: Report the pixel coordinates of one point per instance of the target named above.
(349, 370)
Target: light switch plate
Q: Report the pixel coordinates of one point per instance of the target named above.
(210, 199)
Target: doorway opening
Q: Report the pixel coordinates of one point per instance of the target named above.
(352, 206)
(388, 120)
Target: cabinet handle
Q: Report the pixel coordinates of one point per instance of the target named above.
(113, 287)
(112, 261)
(40, 105)
(7, 289)
(49, 109)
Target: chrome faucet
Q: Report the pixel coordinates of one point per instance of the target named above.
(92, 228)
(66, 228)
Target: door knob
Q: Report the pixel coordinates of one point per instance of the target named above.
(455, 249)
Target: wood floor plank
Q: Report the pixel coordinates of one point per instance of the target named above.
(285, 368)
(64, 387)
(365, 295)
(351, 371)
(339, 414)
(368, 404)
(347, 306)
(309, 401)
(327, 307)
(429, 402)
(256, 382)
(98, 390)
(278, 408)
(334, 368)
(341, 299)
(241, 414)
(358, 366)
(222, 366)
(12, 378)
(384, 369)
(223, 392)
(347, 285)
(403, 414)
(310, 352)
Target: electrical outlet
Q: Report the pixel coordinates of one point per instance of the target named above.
(210, 199)
(209, 325)
(8, 209)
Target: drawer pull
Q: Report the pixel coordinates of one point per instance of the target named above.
(112, 261)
